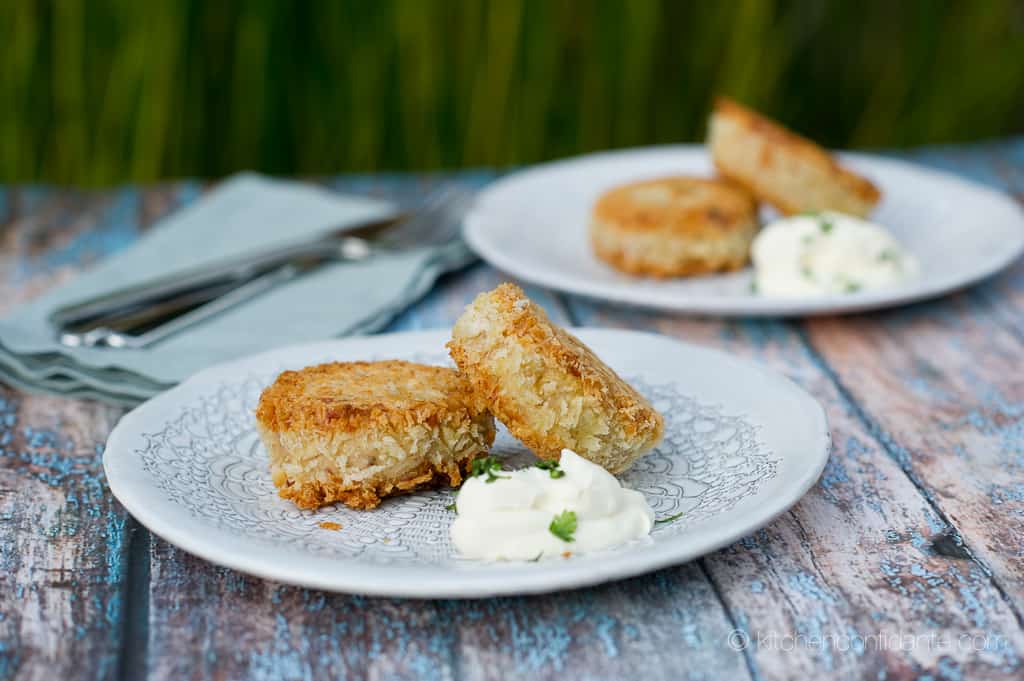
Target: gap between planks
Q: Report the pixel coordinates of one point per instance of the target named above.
(133, 659)
(885, 440)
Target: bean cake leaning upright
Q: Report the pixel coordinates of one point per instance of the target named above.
(549, 389)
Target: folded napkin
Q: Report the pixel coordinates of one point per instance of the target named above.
(245, 213)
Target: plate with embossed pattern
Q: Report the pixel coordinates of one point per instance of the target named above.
(741, 445)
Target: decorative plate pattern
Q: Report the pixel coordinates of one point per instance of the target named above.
(190, 466)
(209, 460)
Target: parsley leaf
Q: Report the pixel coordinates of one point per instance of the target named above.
(852, 287)
(670, 519)
(488, 466)
(563, 525)
(451, 507)
(825, 225)
(552, 468)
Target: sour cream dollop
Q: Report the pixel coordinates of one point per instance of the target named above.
(510, 518)
(827, 253)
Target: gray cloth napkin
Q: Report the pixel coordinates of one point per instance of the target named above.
(244, 213)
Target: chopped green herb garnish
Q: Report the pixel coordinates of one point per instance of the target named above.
(451, 507)
(552, 468)
(488, 466)
(670, 519)
(825, 225)
(889, 255)
(564, 525)
(753, 287)
(806, 272)
(852, 287)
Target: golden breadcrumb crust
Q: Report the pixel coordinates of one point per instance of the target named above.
(782, 168)
(358, 432)
(674, 226)
(547, 387)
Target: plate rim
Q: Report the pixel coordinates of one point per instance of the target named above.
(244, 555)
(475, 235)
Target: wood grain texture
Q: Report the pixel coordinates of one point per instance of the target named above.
(233, 626)
(914, 531)
(941, 386)
(62, 536)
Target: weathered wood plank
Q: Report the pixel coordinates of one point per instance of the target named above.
(21, 200)
(232, 626)
(62, 541)
(669, 625)
(864, 554)
(213, 623)
(940, 384)
(63, 538)
(48, 245)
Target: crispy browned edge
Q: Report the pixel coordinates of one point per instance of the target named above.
(733, 208)
(730, 207)
(281, 407)
(617, 259)
(537, 331)
(790, 142)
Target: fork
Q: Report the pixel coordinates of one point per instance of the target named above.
(144, 314)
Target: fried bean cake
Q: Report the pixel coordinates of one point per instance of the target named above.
(782, 168)
(674, 227)
(547, 387)
(358, 432)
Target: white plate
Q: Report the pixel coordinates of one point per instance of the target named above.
(533, 225)
(742, 445)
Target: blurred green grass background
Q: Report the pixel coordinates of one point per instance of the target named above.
(103, 91)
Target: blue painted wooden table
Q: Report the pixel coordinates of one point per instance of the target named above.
(905, 561)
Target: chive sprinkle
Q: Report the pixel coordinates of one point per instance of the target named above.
(888, 255)
(488, 466)
(552, 468)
